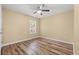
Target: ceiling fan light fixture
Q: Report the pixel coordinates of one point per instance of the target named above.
(39, 11)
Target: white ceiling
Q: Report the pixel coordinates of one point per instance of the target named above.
(28, 9)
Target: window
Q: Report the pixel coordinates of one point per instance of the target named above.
(32, 27)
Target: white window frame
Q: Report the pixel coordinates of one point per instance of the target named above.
(32, 26)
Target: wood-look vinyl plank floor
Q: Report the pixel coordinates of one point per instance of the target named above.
(38, 46)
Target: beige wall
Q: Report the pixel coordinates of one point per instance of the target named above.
(15, 27)
(59, 26)
(76, 29)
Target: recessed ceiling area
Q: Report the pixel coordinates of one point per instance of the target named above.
(29, 9)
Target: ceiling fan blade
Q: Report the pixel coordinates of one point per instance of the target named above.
(35, 12)
(46, 10)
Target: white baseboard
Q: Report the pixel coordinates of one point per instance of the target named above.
(19, 41)
(56, 40)
(36, 37)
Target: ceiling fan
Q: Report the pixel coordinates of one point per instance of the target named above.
(41, 9)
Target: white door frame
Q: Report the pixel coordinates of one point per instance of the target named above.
(0, 28)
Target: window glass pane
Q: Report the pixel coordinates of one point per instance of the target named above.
(32, 26)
